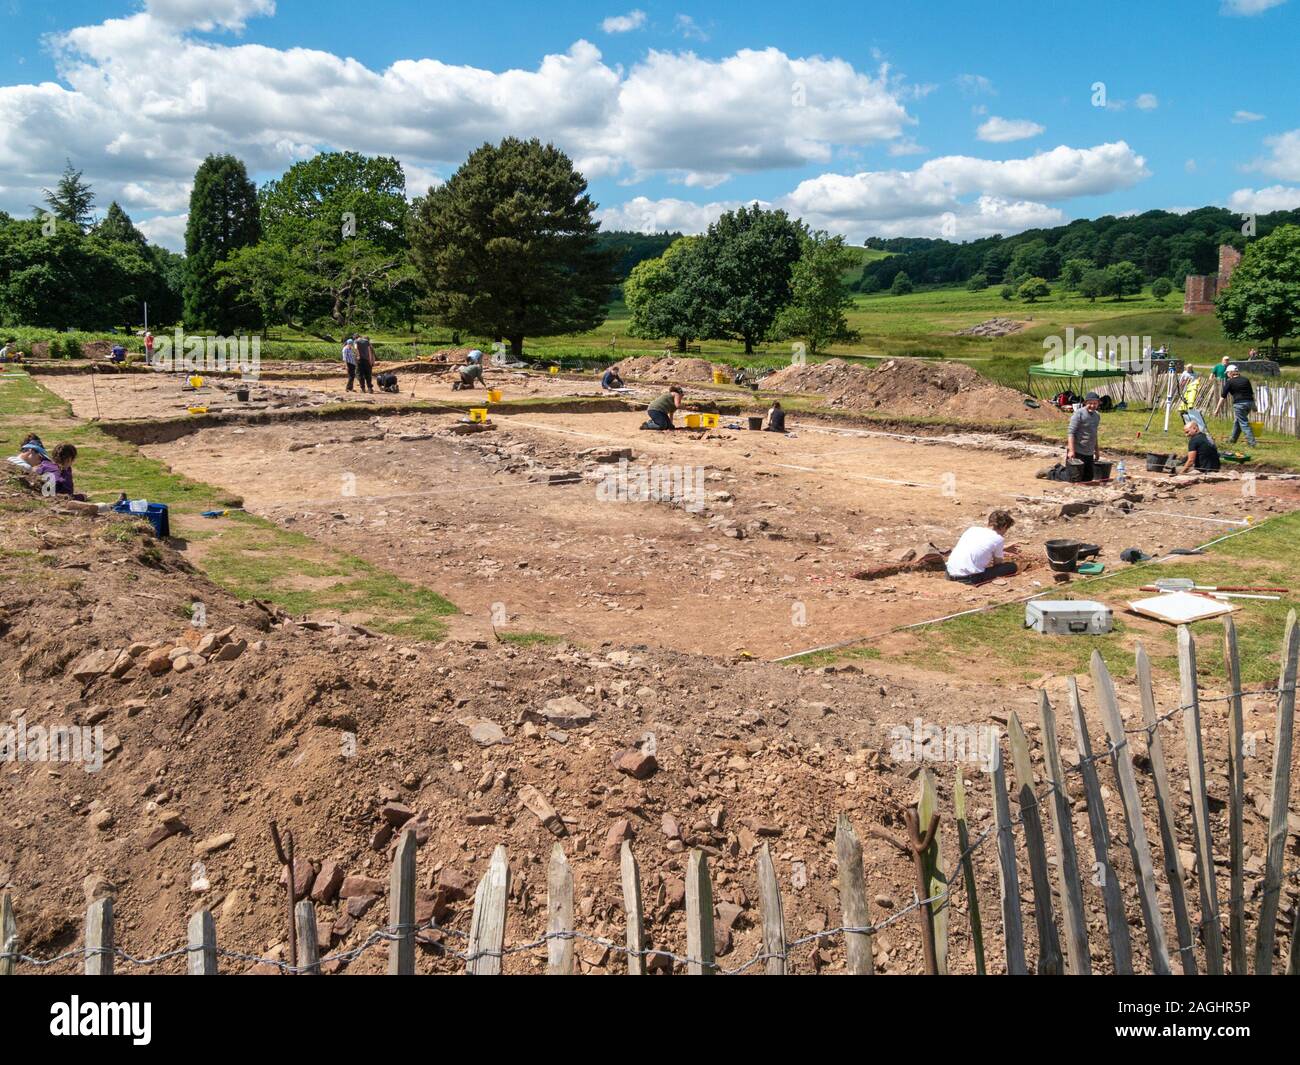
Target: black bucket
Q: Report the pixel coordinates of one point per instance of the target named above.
(1063, 555)
(241, 394)
(1155, 462)
(756, 422)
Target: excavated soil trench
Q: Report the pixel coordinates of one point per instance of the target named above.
(523, 532)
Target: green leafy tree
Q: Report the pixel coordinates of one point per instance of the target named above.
(1072, 272)
(333, 253)
(1033, 289)
(740, 274)
(819, 299)
(1161, 287)
(64, 279)
(1123, 279)
(1093, 284)
(1181, 269)
(977, 282)
(1262, 301)
(659, 300)
(902, 284)
(116, 227)
(1008, 292)
(507, 247)
(223, 218)
(72, 199)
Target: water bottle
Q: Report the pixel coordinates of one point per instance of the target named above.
(1119, 472)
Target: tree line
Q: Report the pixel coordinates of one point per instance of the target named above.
(1158, 244)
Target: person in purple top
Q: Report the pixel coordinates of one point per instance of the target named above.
(64, 455)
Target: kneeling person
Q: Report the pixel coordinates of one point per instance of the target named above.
(979, 554)
(775, 418)
(660, 412)
(1202, 455)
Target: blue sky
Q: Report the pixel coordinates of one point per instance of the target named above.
(899, 118)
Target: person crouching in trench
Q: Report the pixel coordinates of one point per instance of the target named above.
(978, 556)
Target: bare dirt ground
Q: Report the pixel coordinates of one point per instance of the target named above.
(338, 734)
(518, 524)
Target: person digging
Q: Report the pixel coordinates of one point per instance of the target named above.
(660, 412)
(979, 555)
(468, 375)
(1085, 430)
(1202, 455)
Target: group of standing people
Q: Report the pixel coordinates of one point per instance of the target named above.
(359, 358)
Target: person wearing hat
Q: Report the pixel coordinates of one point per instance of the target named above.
(350, 359)
(1237, 390)
(1085, 431)
(41, 468)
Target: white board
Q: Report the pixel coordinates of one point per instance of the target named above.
(1181, 608)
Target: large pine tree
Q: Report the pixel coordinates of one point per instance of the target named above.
(507, 247)
(223, 218)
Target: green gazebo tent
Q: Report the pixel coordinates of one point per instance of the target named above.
(1075, 370)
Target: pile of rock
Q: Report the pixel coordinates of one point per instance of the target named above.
(193, 650)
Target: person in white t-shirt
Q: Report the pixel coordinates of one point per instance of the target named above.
(979, 554)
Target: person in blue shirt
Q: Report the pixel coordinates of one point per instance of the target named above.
(611, 379)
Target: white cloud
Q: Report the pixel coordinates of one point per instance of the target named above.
(643, 215)
(633, 20)
(694, 120)
(1147, 101)
(982, 195)
(1248, 7)
(1239, 117)
(1261, 201)
(1285, 160)
(167, 230)
(1190, 166)
(689, 28)
(208, 15)
(997, 130)
(976, 85)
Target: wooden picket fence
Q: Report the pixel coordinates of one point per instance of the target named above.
(1058, 950)
(1277, 404)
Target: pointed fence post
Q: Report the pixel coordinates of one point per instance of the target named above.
(968, 870)
(1122, 762)
(487, 928)
(1013, 927)
(1237, 947)
(559, 914)
(699, 916)
(631, 874)
(1121, 947)
(1210, 927)
(1073, 915)
(927, 808)
(769, 901)
(853, 898)
(1167, 810)
(1282, 745)
(401, 907)
(1050, 962)
(201, 936)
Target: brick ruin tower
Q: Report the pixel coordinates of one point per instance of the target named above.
(1200, 290)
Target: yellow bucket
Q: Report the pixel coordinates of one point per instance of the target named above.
(478, 414)
(1257, 428)
(709, 421)
(494, 396)
(693, 421)
(554, 369)
(197, 410)
(719, 377)
(196, 381)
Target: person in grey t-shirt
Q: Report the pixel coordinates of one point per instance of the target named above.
(1085, 428)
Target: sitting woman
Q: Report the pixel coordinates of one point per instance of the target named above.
(64, 455)
(775, 418)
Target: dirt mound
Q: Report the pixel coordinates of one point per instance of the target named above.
(909, 387)
(666, 369)
(339, 734)
(994, 327)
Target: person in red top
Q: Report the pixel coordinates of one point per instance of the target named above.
(148, 346)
